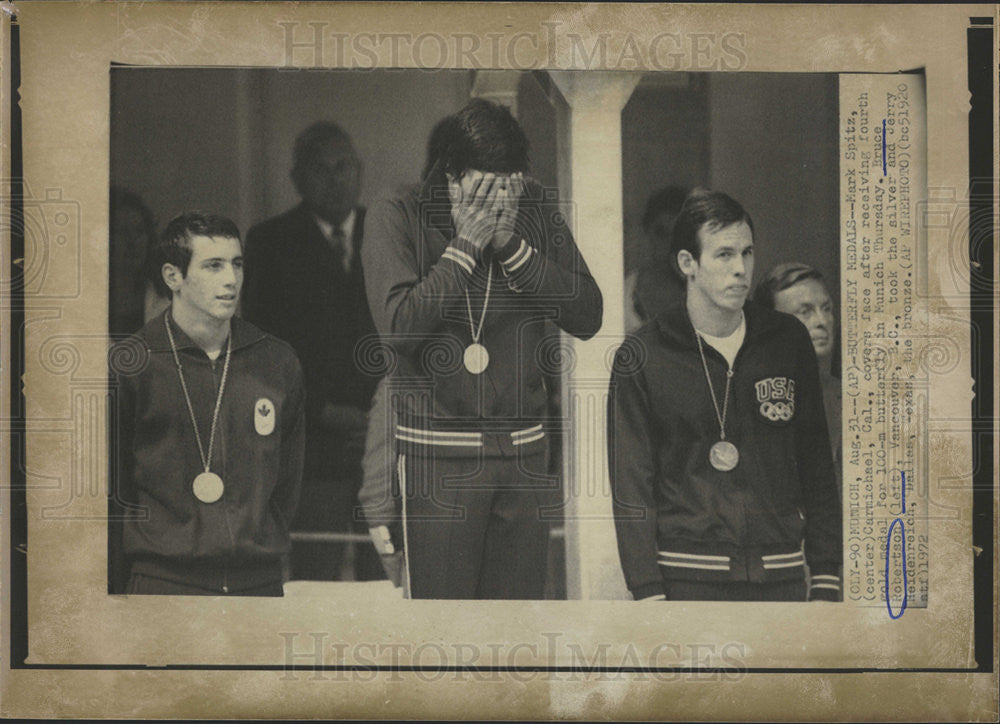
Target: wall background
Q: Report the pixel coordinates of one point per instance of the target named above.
(732, 132)
(221, 139)
(781, 166)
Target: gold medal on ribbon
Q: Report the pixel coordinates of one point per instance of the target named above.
(476, 358)
(723, 455)
(208, 487)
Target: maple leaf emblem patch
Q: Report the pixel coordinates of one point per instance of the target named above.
(263, 416)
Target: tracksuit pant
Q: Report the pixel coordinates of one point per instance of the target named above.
(475, 527)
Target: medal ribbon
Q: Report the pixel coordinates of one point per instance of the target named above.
(477, 333)
(206, 461)
(715, 403)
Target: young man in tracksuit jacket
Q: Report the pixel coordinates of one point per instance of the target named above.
(719, 455)
(207, 433)
(468, 275)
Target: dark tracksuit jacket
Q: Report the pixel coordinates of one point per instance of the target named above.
(677, 517)
(237, 542)
(417, 273)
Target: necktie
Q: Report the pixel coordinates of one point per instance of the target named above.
(338, 245)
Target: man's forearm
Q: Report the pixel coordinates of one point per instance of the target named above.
(573, 292)
(414, 307)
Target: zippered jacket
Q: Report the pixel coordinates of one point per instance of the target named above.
(676, 516)
(422, 282)
(163, 530)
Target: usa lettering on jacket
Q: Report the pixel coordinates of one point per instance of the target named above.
(776, 398)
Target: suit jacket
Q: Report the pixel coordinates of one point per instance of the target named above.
(296, 288)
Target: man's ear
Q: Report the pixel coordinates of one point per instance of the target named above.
(172, 276)
(686, 263)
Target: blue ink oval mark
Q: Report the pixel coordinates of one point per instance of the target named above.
(888, 545)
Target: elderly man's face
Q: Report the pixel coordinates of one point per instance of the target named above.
(330, 181)
(810, 302)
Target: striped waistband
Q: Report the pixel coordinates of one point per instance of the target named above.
(827, 581)
(722, 563)
(422, 436)
(693, 560)
(784, 560)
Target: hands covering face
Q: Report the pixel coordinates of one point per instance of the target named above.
(484, 206)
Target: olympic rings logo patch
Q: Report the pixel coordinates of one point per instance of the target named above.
(776, 398)
(777, 411)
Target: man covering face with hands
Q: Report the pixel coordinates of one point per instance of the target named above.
(469, 274)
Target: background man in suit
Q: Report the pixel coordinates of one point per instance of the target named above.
(304, 285)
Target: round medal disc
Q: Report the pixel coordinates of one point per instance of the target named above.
(476, 358)
(207, 487)
(724, 456)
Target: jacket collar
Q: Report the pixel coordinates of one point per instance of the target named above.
(674, 323)
(154, 333)
(351, 228)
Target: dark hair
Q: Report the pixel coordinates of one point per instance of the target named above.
(781, 278)
(441, 135)
(121, 200)
(668, 200)
(702, 208)
(174, 245)
(310, 142)
(482, 136)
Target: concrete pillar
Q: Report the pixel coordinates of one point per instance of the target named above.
(590, 134)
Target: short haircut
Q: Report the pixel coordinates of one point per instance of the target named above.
(712, 210)
(441, 135)
(483, 136)
(174, 245)
(311, 141)
(781, 278)
(668, 200)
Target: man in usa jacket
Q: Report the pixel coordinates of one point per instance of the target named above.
(720, 462)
